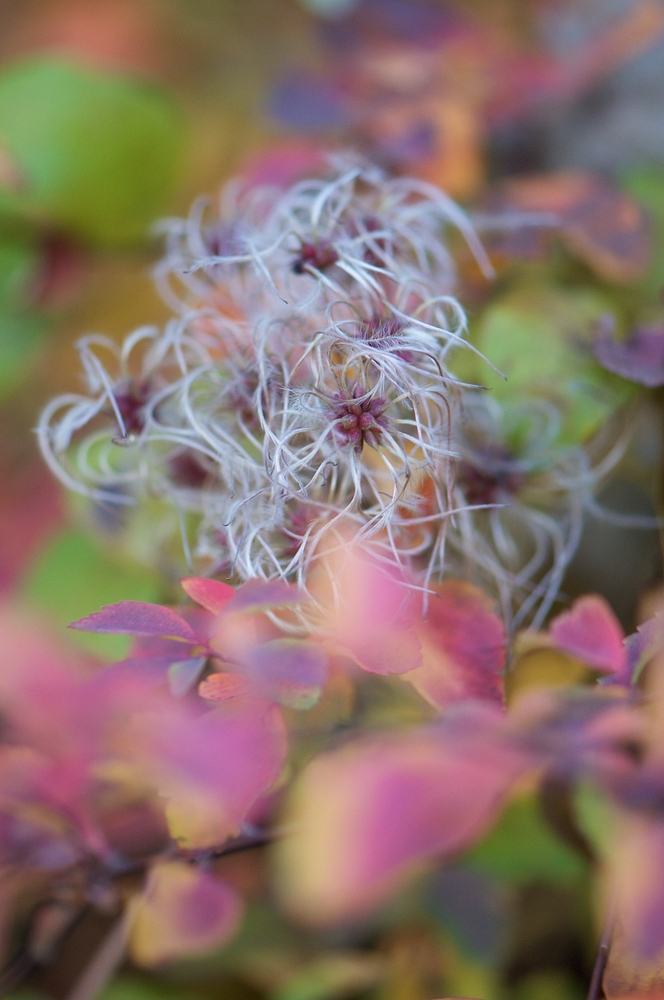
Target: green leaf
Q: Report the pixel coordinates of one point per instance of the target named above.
(558, 985)
(88, 152)
(538, 337)
(73, 577)
(595, 817)
(521, 848)
(137, 988)
(20, 337)
(27, 995)
(332, 976)
(21, 328)
(19, 259)
(647, 186)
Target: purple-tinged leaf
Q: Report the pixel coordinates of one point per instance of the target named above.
(182, 911)
(184, 674)
(643, 644)
(404, 22)
(639, 359)
(597, 221)
(415, 143)
(137, 618)
(44, 700)
(255, 596)
(170, 649)
(153, 670)
(288, 671)
(591, 632)
(210, 594)
(310, 103)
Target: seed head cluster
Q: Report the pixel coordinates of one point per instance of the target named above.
(304, 389)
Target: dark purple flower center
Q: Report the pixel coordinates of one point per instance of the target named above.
(488, 484)
(131, 399)
(357, 420)
(221, 240)
(316, 256)
(381, 331)
(386, 333)
(185, 469)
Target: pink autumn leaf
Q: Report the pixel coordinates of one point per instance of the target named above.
(151, 669)
(44, 700)
(591, 632)
(137, 618)
(210, 768)
(366, 816)
(182, 911)
(252, 597)
(210, 594)
(463, 643)
(373, 614)
(207, 769)
(72, 718)
(34, 837)
(255, 596)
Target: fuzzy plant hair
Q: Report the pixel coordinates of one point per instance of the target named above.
(305, 388)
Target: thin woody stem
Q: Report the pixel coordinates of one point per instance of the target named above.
(595, 990)
(104, 963)
(24, 962)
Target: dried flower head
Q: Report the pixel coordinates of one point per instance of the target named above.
(305, 389)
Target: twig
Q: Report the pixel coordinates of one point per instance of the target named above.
(15, 972)
(103, 964)
(37, 948)
(25, 962)
(595, 989)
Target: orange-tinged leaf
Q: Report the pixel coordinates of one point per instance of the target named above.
(210, 594)
(182, 911)
(606, 228)
(221, 687)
